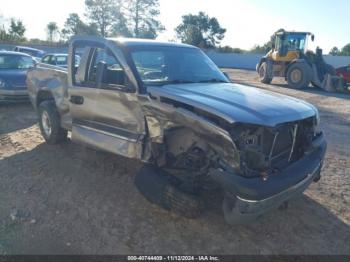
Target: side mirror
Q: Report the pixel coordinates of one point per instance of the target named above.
(312, 38)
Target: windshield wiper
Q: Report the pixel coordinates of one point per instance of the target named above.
(213, 80)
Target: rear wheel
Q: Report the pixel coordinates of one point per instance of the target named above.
(299, 75)
(50, 124)
(264, 75)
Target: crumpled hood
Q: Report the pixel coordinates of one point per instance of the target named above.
(15, 79)
(238, 103)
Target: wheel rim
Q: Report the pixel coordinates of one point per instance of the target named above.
(46, 124)
(296, 75)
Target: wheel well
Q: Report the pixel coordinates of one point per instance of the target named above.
(44, 96)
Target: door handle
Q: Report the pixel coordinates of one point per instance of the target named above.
(78, 100)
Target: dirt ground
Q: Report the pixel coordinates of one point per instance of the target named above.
(68, 199)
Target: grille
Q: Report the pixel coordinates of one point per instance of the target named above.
(265, 149)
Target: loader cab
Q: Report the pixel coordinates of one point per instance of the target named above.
(289, 45)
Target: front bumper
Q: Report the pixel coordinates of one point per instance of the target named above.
(253, 197)
(13, 95)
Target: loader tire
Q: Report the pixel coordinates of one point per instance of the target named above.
(50, 123)
(264, 74)
(299, 75)
(157, 188)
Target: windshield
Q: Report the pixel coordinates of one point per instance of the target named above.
(295, 41)
(15, 62)
(172, 65)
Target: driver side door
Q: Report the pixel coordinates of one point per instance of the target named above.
(104, 107)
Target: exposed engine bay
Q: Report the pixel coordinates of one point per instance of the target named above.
(263, 151)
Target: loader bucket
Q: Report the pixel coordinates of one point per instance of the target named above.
(334, 83)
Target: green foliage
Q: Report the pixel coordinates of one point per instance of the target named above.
(257, 49)
(200, 30)
(345, 51)
(75, 26)
(229, 49)
(52, 31)
(106, 14)
(17, 30)
(4, 36)
(142, 18)
(15, 33)
(334, 51)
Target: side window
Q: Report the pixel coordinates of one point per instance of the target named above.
(61, 60)
(46, 59)
(105, 69)
(79, 71)
(53, 60)
(96, 67)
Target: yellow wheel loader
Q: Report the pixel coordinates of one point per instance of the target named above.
(290, 59)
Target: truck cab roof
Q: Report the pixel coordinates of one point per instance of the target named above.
(130, 42)
(146, 42)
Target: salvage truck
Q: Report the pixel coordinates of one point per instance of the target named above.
(169, 106)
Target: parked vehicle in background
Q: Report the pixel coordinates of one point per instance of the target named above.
(36, 53)
(168, 105)
(13, 74)
(291, 59)
(60, 60)
(344, 71)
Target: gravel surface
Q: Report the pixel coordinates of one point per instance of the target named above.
(68, 199)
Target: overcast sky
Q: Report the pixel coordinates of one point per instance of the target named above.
(248, 22)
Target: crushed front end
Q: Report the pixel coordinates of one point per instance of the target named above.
(276, 164)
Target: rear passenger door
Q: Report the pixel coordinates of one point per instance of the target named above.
(103, 103)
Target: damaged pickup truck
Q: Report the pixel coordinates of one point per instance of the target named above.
(169, 106)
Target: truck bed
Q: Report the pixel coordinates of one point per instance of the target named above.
(48, 80)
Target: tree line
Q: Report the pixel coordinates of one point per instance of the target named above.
(135, 19)
(345, 51)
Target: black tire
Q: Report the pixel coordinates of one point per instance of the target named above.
(47, 110)
(299, 75)
(263, 72)
(156, 187)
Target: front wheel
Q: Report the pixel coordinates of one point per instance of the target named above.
(299, 75)
(264, 75)
(50, 124)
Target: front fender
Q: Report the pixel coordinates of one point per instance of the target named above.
(161, 118)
